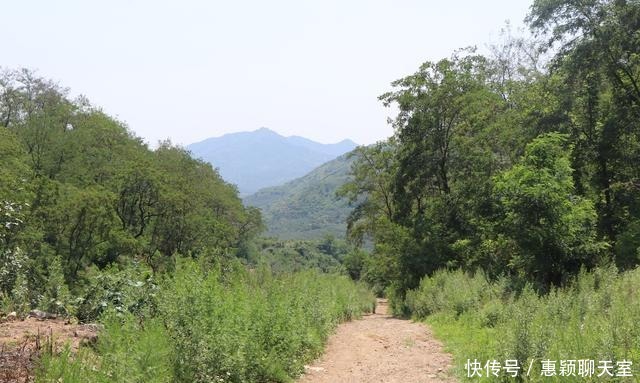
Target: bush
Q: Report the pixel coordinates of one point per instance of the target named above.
(219, 324)
(131, 289)
(451, 291)
(127, 351)
(250, 328)
(14, 283)
(57, 298)
(595, 317)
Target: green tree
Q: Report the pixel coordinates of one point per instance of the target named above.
(15, 188)
(445, 134)
(370, 190)
(81, 190)
(552, 227)
(597, 58)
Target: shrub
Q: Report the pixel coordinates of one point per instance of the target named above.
(57, 298)
(126, 351)
(250, 328)
(131, 289)
(217, 324)
(594, 317)
(450, 291)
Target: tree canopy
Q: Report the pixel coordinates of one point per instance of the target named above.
(79, 190)
(509, 163)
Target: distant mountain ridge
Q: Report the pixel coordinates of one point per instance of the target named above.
(263, 158)
(307, 207)
(336, 149)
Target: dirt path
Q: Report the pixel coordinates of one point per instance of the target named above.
(380, 348)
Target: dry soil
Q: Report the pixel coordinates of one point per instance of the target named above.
(381, 348)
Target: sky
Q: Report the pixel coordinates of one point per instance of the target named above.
(188, 70)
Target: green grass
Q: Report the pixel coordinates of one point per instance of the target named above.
(209, 325)
(465, 338)
(596, 317)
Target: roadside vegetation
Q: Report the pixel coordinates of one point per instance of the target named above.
(595, 316)
(216, 323)
(156, 247)
(521, 164)
(505, 209)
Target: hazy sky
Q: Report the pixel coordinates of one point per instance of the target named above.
(188, 70)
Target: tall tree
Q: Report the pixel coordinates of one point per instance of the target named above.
(552, 227)
(597, 56)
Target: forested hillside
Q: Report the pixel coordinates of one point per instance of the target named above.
(505, 210)
(307, 207)
(80, 192)
(509, 163)
(152, 244)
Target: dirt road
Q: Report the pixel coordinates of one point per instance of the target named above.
(380, 348)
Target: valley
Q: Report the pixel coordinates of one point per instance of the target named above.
(486, 229)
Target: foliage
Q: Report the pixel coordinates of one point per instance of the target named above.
(599, 64)
(521, 176)
(290, 256)
(370, 190)
(553, 230)
(306, 208)
(520, 167)
(14, 187)
(426, 188)
(78, 191)
(14, 282)
(126, 351)
(57, 298)
(19, 298)
(628, 246)
(453, 292)
(123, 290)
(594, 317)
(222, 324)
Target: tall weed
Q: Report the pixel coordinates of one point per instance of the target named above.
(218, 324)
(595, 317)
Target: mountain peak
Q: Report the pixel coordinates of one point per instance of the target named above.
(261, 158)
(347, 141)
(264, 130)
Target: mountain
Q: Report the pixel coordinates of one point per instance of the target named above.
(307, 207)
(262, 158)
(334, 150)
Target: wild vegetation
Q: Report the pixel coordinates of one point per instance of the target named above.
(216, 323)
(506, 207)
(154, 245)
(594, 317)
(504, 210)
(522, 163)
(307, 208)
(79, 193)
(287, 256)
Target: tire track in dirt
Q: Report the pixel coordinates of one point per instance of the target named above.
(381, 348)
